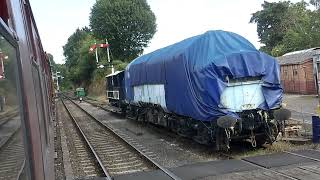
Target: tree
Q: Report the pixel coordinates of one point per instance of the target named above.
(79, 62)
(270, 26)
(284, 27)
(315, 3)
(71, 48)
(128, 24)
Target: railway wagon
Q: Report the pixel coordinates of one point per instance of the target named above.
(215, 88)
(26, 128)
(80, 92)
(115, 89)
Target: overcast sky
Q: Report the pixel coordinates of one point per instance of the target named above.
(176, 20)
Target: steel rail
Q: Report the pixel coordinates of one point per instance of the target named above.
(8, 139)
(105, 171)
(258, 165)
(299, 155)
(244, 160)
(270, 170)
(101, 107)
(166, 171)
(21, 169)
(7, 117)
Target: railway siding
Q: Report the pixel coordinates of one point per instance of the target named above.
(12, 157)
(114, 150)
(82, 161)
(115, 155)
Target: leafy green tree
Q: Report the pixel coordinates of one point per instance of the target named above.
(315, 3)
(128, 24)
(284, 27)
(270, 26)
(119, 65)
(79, 62)
(71, 48)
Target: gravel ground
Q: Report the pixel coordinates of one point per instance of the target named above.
(173, 150)
(301, 106)
(81, 160)
(58, 161)
(115, 155)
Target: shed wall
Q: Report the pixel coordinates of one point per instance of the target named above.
(298, 78)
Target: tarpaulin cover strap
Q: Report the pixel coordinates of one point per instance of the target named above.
(193, 72)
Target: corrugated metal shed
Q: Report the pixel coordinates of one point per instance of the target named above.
(298, 57)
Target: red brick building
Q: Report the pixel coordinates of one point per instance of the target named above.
(297, 71)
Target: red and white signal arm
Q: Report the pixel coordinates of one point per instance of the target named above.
(103, 45)
(1, 69)
(92, 47)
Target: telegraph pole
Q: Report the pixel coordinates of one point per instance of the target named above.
(2, 58)
(108, 53)
(97, 58)
(2, 66)
(56, 76)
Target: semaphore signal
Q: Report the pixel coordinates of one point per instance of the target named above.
(106, 45)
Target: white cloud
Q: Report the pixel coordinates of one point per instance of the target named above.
(181, 19)
(176, 19)
(57, 20)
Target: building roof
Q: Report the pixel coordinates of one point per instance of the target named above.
(298, 57)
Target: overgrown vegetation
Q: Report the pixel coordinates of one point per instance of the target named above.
(285, 26)
(128, 24)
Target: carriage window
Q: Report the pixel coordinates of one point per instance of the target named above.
(12, 157)
(4, 15)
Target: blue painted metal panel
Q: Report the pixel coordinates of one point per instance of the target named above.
(315, 129)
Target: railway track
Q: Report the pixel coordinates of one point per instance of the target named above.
(100, 105)
(114, 153)
(273, 170)
(9, 126)
(4, 118)
(282, 174)
(12, 158)
(82, 159)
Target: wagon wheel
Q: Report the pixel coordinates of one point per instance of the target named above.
(270, 136)
(274, 132)
(149, 115)
(160, 118)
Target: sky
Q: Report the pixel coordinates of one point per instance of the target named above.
(176, 20)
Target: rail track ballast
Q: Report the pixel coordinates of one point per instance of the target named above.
(114, 154)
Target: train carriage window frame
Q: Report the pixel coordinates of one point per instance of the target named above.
(30, 33)
(8, 35)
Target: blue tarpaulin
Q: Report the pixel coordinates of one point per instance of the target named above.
(193, 72)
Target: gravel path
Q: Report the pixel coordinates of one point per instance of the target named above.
(301, 106)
